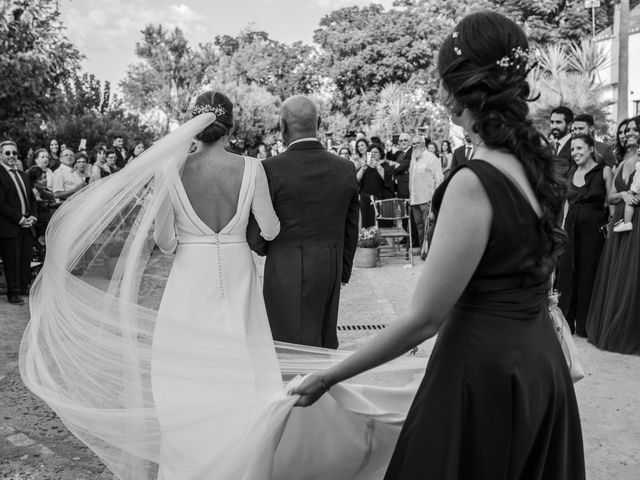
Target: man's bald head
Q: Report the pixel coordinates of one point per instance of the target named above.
(298, 118)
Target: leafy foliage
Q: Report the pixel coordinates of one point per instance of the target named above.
(35, 58)
(168, 76)
(567, 76)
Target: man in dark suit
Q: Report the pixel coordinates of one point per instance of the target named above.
(315, 195)
(560, 125)
(584, 124)
(462, 154)
(18, 212)
(401, 174)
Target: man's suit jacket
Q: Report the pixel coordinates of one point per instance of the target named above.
(402, 174)
(564, 163)
(604, 154)
(459, 157)
(315, 195)
(10, 207)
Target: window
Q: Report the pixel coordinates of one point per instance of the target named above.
(636, 107)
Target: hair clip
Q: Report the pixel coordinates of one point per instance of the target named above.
(518, 60)
(217, 110)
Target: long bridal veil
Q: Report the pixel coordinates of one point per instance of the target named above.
(87, 350)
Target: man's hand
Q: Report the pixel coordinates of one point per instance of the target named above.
(24, 222)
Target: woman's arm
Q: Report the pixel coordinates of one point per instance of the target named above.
(262, 207)
(458, 245)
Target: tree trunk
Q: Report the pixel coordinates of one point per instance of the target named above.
(623, 62)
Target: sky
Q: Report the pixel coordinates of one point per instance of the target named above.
(106, 31)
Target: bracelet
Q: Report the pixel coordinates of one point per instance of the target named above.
(323, 384)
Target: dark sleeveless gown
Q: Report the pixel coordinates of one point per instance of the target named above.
(613, 322)
(497, 400)
(578, 265)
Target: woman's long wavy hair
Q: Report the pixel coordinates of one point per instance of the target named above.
(620, 149)
(497, 98)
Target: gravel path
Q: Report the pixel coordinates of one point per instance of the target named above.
(35, 445)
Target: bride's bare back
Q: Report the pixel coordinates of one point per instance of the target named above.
(212, 178)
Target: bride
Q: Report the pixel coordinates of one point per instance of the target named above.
(163, 363)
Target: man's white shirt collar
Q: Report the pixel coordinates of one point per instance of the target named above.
(306, 139)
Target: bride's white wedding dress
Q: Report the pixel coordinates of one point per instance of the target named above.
(192, 390)
(213, 287)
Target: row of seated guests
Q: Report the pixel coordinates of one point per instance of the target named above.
(599, 274)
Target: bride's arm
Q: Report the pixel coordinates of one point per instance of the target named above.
(458, 245)
(164, 233)
(262, 208)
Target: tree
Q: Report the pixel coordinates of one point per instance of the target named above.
(168, 76)
(254, 58)
(35, 59)
(567, 75)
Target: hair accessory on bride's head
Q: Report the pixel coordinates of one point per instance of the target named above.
(217, 110)
(519, 61)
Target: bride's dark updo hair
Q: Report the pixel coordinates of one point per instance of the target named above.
(483, 65)
(221, 106)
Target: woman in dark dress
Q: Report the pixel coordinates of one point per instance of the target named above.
(375, 179)
(497, 401)
(613, 322)
(586, 215)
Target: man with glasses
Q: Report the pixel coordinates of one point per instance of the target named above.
(425, 175)
(402, 178)
(18, 214)
(65, 182)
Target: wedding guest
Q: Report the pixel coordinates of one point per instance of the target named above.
(446, 156)
(41, 157)
(100, 169)
(585, 217)
(18, 213)
(81, 168)
(262, 151)
(425, 175)
(54, 154)
(119, 150)
(47, 202)
(612, 322)
(432, 147)
(345, 152)
(584, 124)
(497, 399)
(65, 181)
(135, 152)
(463, 153)
(401, 173)
(560, 127)
(112, 160)
(376, 180)
(360, 153)
(621, 141)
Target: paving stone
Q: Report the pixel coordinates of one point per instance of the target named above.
(44, 451)
(6, 429)
(20, 440)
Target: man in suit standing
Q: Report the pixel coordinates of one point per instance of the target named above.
(315, 195)
(462, 154)
(121, 153)
(18, 214)
(560, 125)
(584, 124)
(401, 173)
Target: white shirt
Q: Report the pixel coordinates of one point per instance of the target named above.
(65, 179)
(306, 139)
(425, 174)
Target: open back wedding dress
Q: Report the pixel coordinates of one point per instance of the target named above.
(165, 366)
